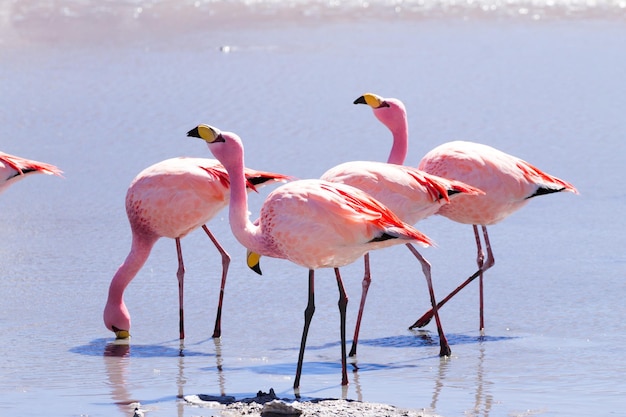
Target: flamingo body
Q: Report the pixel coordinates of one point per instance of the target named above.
(509, 182)
(170, 199)
(14, 168)
(410, 193)
(173, 197)
(298, 216)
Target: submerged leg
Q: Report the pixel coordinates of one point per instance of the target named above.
(180, 274)
(343, 303)
(308, 315)
(488, 263)
(365, 287)
(480, 258)
(443, 342)
(217, 332)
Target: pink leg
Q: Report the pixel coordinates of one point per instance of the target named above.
(343, 303)
(217, 332)
(425, 319)
(180, 274)
(443, 342)
(365, 287)
(308, 315)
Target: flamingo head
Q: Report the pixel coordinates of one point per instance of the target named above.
(117, 319)
(207, 133)
(253, 260)
(390, 111)
(225, 146)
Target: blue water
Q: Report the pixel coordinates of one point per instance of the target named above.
(103, 106)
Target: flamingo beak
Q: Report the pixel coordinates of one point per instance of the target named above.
(372, 100)
(121, 334)
(253, 260)
(194, 133)
(208, 133)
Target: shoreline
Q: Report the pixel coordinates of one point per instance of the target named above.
(68, 23)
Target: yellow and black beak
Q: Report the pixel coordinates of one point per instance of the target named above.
(121, 334)
(372, 100)
(254, 261)
(208, 133)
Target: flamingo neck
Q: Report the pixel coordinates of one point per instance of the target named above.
(139, 252)
(395, 120)
(247, 233)
(400, 147)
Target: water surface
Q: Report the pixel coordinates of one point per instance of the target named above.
(103, 108)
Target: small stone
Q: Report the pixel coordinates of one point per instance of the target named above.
(279, 408)
(222, 399)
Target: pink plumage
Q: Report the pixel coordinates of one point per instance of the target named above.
(509, 182)
(14, 168)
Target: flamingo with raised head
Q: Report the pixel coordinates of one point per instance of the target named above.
(508, 183)
(313, 223)
(170, 199)
(410, 193)
(14, 168)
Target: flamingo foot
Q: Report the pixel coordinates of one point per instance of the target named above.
(445, 350)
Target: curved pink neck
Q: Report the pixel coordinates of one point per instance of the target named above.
(244, 230)
(394, 117)
(400, 147)
(139, 252)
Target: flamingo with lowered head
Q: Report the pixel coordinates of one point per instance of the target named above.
(508, 183)
(313, 223)
(170, 199)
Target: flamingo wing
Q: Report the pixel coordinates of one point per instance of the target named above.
(25, 166)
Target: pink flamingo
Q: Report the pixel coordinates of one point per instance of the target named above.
(410, 193)
(508, 183)
(14, 168)
(170, 199)
(313, 223)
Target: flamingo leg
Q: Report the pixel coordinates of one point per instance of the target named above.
(308, 315)
(180, 274)
(443, 341)
(365, 287)
(217, 332)
(490, 261)
(483, 267)
(343, 303)
(480, 258)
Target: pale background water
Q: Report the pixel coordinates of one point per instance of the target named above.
(545, 84)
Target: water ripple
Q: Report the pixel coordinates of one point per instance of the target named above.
(104, 347)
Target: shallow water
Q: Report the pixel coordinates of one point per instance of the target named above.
(548, 91)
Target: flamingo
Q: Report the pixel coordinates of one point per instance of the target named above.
(170, 199)
(410, 193)
(14, 168)
(312, 223)
(508, 183)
